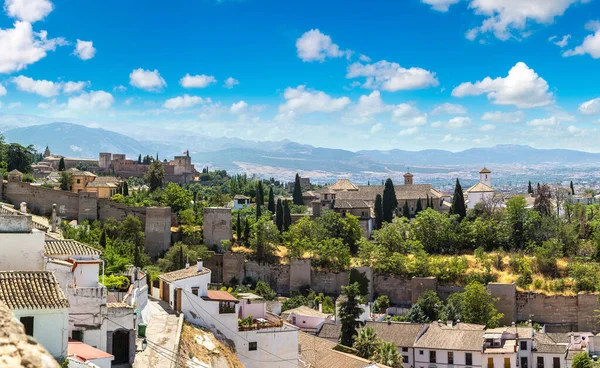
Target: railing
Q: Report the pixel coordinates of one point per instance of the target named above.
(223, 309)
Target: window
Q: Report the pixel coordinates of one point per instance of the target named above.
(77, 335)
(469, 358)
(540, 362)
(404, 358)
(405, 349)
(432, 356)
(555, 362)
(450, 357)
(78, 181)
(28, 324)
(252, 346)
(420, 352)
(490, 363)
(523, 345)
(195, 291)
(506, 362)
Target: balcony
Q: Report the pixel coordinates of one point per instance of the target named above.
(250, 324)
(226, 308)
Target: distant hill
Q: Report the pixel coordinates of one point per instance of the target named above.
(234, 153)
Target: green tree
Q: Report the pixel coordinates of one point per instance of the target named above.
(18, 157)
(406, 210)
(238, 228)
(66, 180)
(61, 164)
(378, 212)
(530, 188)
(139, 161)
(271, 205)
(382, 303)
(419, 207)
(478, 306)
(543, 201)
(458, 201)
(428, 306)
(125, 189)
(350, 310)
(389, 201)
(247, 233)
(102, 241)
(572, 188)
(582, 360)
(361, 279)
(264, 238)
(332, 254)
(263, 289)
(155, 175)
(297, 193)
(388, 354)
(176, 197)
(366, 343)
(279, 216)
(179, 254)
(287, 216)
(453, 310)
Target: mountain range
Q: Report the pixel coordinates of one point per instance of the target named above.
(236, 154)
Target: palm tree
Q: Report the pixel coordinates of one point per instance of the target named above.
(387, 354)
(366, 343)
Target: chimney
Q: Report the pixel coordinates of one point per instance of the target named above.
(187, 265)
(23, 207)
(320, 307)
(199, 265)
(389, 322)
(54, 217)
(449, 323)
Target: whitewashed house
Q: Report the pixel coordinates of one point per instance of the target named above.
(85, 355)
(481, 191)
(557, 349)
(307, 319)
(402, 334)
(37, 301)
(266, 342)
(240, 201)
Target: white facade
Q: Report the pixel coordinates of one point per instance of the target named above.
(22, 251)
(460, 358)
(50, 328)
(275, 347)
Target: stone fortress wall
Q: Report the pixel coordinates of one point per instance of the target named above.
(560, 313)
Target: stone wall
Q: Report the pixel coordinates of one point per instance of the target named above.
(119, 211)
(558, 312)
(40, 200)
(587, 316)
(216, 225)
(276, 275)
(157, 230)
(328, 282)
(299, 274)
(506, 300)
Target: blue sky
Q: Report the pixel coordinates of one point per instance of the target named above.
(410, 74)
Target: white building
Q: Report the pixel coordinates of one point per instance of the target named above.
(265, 342)
(557, 349)
(240, 201)
(446, 346)
(37, 301)
(481, 191)
(88, 355)
(402, 334)
(307, 319)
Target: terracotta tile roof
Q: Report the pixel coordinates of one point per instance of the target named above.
(330, 331)
(85, 351)
(17, 350)
(318, 353)
(399, 333)
(343, 184)
(403, 192)
(303, 311)
(240, 196)
(459, 337)
(220, 296)
(77, 172)
(184, 273)
(480, 187)
(544, 343)
(31, 290)
(485, 171)
(350, 203)
(69, 247)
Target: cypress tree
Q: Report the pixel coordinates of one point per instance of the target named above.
(238, 232)
(61, 164)
(287, 216)
(458, 202)
(279, 216)
(419, 207)
(538, 188)
(389, 201)
(378, 212)
(297, 194)
(102, 241)
(181, 258)
(125, 189)
(247, 233)
(406, 210)
(572, 188)
(529, 188)
(271, 205)
(258, 210)
(140, 159)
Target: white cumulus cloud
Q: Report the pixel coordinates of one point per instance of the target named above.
(408, 131)
(391, 76)
(231, 82)
(21, 46)
(544, 122)
(459, 122)
(487, 127)
(522, 88)
(440, 5)
(238, 107)
(2, 90)
(564, 41)
(316, 46)
(197, 81)
(503, 117)
(505, 17)
(591, 43)
(367, 107)
(94, 100)
(591, 107)
(72, 87)
(408, 115)
(449, 108)
(182, 102)
(302, 100)
(149, 80)
(84, 50)
(43, 88)
(449, 138)
(28, 10)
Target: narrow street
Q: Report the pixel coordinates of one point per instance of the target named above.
(161, 337)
